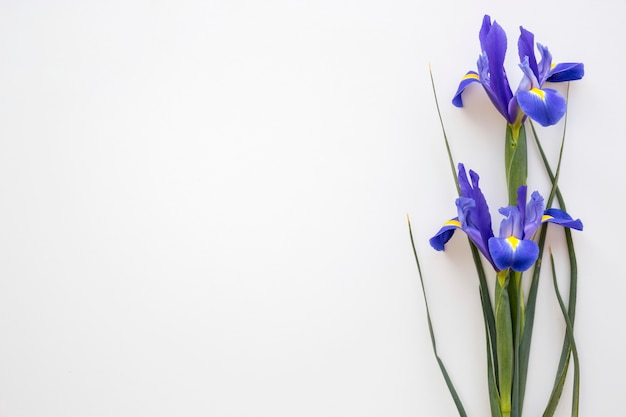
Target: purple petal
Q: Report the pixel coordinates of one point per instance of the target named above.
(464, 185)
(444, 234)
(495, 48)
(484, 31)
(545, 106)
(544, 64)
(526, 48)
(561, 218)
(481, 215)
(534, 214)
(567, 71)
(511, 225)
(469, 78)
(518, 255)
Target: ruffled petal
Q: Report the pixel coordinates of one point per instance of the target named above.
(438, 242)
(464, 185)
(484, 31)
(511, 224)
(545, 106)
(495, 44)
(533, 215)
(556, 216)
(469, 78)
(545, 64)
(513, 253)
(526, 49)
(566, 71)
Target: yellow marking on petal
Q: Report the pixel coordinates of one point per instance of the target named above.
(539, 92)
(552, 65)
(470, 76)
(453, 223)
(546, 217)
(513, 241)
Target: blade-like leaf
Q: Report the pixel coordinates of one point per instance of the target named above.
(485, 298)
(570, 337)
(494, 397)
(446, 377)
(562, 368)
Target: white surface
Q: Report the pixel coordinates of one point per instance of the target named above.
(203, 206)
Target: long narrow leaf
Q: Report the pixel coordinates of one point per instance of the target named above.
(446, 377)
(524, 350)
(485, 298)
(494, 397)
(570, 336)
(566, 349)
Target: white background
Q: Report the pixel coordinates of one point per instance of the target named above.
(203, 206)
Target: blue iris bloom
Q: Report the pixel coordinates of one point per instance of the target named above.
(544, 105)
(514, 247)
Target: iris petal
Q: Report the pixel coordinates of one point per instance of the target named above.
(556, 216)
(566, 71)
(495, 44)
(545, 64)
(469, 78)
(534, 213)
(518, 255)
(526, 48)
(511, 224)
(468, 219)
(545, 106)
(484, 31)
(444, 234)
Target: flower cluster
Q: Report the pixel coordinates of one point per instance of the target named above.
(544, 105)
(514, 248)
(508, 312)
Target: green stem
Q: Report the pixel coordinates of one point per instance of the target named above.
(515, 160)
(504, 341)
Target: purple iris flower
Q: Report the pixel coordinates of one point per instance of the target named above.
(544, 105)
(514, 247)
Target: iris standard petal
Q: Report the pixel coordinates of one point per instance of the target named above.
(495, 48)
(469, 78)
(545, 106)
(511, 225)
(464, 185)
(533, 215)
(544, 64)
(556, 216)
(513, 253)
(484, 31)
(526, 48)
(470, 217)
(566, 71)
(438, 242)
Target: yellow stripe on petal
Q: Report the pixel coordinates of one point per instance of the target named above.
(538, 92)
(513, 241)
(453, 223)
(470, 76)
(546, 217)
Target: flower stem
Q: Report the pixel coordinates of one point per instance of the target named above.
(504, 341)
(515, 160)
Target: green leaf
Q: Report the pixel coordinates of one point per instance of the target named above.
(494, 397)
(562, 368)
(446, 377)
(570, 336)
(485, 298)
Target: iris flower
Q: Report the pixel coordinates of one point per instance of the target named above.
(514, 247)
(544, 105)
